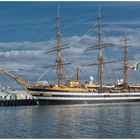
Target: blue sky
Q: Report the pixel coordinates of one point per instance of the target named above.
(35, 21)
(27, 29)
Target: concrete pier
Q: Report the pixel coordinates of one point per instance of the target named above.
(17, 98)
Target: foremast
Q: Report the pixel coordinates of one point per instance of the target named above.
(59, 54)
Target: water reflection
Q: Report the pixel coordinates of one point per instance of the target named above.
(86, 121)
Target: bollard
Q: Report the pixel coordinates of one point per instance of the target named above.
(10, 97)
(5, 97)
(15, 97)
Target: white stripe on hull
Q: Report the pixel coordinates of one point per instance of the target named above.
(91, 94)
(86, 98)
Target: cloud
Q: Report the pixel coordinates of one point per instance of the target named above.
(28, 58)
(22, 45)
(127, 22)
(22, 53)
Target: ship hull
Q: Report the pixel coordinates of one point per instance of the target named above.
(86, 98)
(75, 102)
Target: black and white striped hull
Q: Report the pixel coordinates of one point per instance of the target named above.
(62, 98)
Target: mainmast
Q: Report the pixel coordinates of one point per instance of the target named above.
(99, 47)
(100, 57)
(125, 74)
(101, 61)
(59, 55)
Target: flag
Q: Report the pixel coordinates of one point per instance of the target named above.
(134, 67)
(138, 66)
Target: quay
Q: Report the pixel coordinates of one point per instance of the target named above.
(17, 98)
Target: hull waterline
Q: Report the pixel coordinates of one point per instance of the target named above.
(86, 98)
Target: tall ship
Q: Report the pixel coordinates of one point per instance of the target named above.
(73, 91)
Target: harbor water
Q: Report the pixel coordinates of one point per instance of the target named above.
(72, 121)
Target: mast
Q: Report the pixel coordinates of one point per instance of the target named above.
(59, 55)
(101, 61)
(100, 57)
(125, 73)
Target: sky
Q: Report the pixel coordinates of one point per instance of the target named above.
(28, 30)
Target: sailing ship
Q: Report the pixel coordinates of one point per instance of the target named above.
(73, 91)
